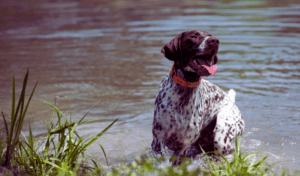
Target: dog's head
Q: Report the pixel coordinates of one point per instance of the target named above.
(193, 51)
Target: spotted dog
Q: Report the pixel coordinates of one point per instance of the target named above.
(190, 111)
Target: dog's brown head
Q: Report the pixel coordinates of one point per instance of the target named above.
(193, 52)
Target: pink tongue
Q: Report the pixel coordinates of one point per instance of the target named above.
(211, 70)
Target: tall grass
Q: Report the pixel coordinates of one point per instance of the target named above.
(16, 123)
(56, 152)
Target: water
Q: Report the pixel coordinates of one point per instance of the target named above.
(110, 51)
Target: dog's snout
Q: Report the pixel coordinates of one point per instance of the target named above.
(213, 41)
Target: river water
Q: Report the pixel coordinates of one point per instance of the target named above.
(110, 51)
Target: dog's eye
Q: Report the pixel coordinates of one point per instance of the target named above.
(194, 36)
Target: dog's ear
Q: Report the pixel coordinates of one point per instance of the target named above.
(215, 59)
(172, 50)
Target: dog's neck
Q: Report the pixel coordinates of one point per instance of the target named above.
(183, 93)
(185, 78)
(188, 76)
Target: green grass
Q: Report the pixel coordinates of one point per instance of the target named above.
(61, 151)
(241, 165)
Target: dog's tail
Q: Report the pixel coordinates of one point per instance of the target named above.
(231, 94)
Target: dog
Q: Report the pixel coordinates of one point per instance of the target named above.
(190, 111)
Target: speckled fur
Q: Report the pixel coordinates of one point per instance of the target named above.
(185, 118)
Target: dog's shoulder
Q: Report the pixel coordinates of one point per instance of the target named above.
(214, 99)
(210, 91)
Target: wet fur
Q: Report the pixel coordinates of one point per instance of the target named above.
(185, 118)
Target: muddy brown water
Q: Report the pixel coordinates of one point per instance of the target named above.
(110, 51)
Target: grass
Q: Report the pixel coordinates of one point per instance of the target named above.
(61, 151)
(243, 165)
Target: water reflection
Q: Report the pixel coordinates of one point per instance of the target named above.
(91, 50)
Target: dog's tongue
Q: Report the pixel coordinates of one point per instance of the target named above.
(211, 70)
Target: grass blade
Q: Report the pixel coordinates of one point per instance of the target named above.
(103, 131)
(54, 107)
(96, 137)
(88, 111)
(13, 99)
(62, 129)
(6, 127)
(104, 153)
(21, 99)
(22, 116)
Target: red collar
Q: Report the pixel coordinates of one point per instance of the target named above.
(182, 82)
